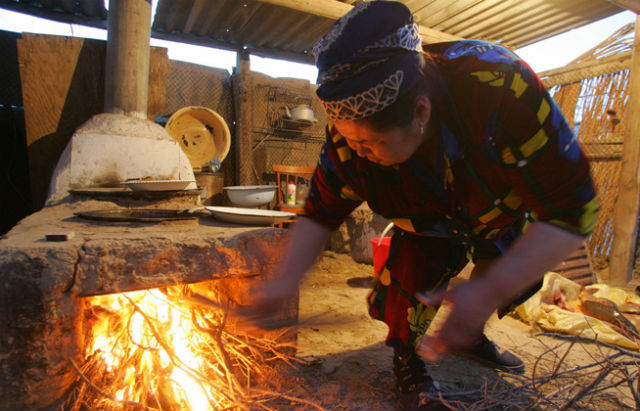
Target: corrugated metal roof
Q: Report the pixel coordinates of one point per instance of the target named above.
(268, 28)
(261, 28)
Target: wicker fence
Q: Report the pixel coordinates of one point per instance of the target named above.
(594, 98)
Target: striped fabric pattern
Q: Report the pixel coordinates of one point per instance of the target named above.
(505, 157)
(509, 157)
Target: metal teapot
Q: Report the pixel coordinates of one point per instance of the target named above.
(301, 112)
(304, 113)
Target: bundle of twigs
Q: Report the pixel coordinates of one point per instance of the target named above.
(140, 372)
(610, 382)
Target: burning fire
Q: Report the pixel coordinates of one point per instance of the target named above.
(164, 349)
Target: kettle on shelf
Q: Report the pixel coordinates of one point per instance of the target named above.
(301, 112)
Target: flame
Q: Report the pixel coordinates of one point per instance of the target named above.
(151, 344)
(172, 349)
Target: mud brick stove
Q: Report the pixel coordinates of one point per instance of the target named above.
(43, 283)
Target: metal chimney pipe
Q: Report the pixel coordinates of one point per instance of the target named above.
(127, 60)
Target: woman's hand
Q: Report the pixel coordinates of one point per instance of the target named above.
(266, 309)
(467, 307)
(538, 250)
(303, 245)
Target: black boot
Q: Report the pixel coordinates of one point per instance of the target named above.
(412, 379)
(486, 352)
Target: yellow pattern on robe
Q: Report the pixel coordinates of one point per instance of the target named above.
(493, 78)
(590, 216)
(419, 318)
(518, 85)
(348, 194)
(344, 153)
(404, 223)
(543, 111)
(385, 277)
(530, 147)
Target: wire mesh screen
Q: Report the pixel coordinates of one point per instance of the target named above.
(276, 136)
(194, 85)
(279, 134)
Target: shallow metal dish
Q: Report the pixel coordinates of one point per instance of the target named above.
(251, 196)
(251, 216)
(146, 215)
(157, 185)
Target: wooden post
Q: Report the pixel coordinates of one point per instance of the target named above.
(127, 62)
(242, 83)
(626, 206)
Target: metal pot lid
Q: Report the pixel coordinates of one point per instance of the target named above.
(202, 133)
(146, 215)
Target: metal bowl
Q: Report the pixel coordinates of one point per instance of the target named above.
(250, 196)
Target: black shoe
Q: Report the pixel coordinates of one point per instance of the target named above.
(487, 352)
(414, 384)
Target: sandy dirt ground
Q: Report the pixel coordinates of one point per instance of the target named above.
(348, 366)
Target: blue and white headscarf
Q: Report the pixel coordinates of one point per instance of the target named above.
(370, 57)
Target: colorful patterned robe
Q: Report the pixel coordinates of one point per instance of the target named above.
(505, 157)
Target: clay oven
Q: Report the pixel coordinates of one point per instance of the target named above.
(48, 287)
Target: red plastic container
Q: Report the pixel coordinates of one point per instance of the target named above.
(380, 253)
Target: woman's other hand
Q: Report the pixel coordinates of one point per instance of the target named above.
(539, 249)
(467, 307)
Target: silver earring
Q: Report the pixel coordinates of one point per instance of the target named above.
(422, 129)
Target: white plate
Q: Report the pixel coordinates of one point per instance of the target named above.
(238, 215)
(157, 185)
